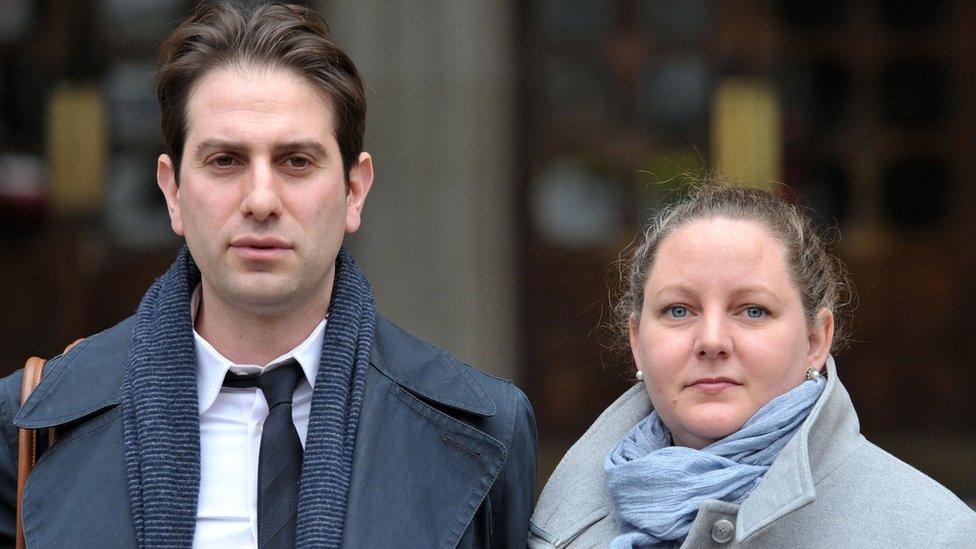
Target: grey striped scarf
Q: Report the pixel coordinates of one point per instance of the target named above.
(161, 422)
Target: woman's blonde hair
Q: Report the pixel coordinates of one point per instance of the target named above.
(822, 279)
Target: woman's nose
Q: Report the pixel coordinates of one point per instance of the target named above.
(714, 339)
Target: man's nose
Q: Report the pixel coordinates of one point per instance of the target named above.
(714, 338)
(262, 190)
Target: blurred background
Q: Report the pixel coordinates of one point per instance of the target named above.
(518, 148)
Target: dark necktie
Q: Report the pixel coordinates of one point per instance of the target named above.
(280, 458)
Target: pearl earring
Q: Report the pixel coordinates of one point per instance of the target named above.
(639, 375)
(813, 374)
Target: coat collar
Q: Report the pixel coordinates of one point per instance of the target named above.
(814, 451)
(576, 495)
(84, 381)
(428, 371)
(88, 379)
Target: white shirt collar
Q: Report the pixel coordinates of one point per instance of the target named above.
(213, 366)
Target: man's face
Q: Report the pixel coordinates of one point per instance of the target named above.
(262, 198)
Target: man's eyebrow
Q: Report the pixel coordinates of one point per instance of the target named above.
(219, 145)
(313, 148)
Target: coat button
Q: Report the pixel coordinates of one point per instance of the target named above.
(722, 530)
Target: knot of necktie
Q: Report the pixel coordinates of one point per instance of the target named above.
(278, 383)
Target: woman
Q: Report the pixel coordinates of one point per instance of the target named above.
(732, 304)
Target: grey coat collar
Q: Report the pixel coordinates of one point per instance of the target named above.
(576, 495)
(88, 379)
(818, 446)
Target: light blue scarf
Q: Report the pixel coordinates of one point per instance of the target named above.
(657, 488)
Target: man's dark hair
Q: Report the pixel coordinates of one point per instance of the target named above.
(225, 35)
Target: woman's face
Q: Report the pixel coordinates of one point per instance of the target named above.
(722, 330)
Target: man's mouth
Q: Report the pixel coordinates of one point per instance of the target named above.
(260, 247)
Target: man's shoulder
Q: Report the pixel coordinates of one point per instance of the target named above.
(433, 373)
(104, 350)
(83, 380)
(101, 349)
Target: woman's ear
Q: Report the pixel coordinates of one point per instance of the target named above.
(633, 332)
(821, 335)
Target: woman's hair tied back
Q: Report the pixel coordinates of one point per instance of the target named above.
(821, 278)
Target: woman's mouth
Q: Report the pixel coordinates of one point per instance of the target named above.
(713, 385)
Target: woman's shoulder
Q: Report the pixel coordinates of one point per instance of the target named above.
(881, 497)
(575, 498)
(857, 476)
(871, 468)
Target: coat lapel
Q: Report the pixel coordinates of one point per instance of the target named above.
(419, 474)
(80, 383)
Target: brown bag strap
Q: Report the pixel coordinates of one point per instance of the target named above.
(27, 443)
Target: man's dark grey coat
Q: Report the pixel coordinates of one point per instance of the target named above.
(445, 455)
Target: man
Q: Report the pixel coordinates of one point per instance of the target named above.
(255, 398)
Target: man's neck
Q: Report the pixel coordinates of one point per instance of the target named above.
(246, 337)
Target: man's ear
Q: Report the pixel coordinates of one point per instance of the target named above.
(166, 179)
(359, 183)
(820, 336)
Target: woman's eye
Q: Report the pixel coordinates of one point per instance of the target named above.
(677, 311)
(755, 311)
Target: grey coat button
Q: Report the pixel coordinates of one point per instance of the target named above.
(722, 530)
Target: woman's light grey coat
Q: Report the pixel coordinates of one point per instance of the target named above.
(829, 487)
